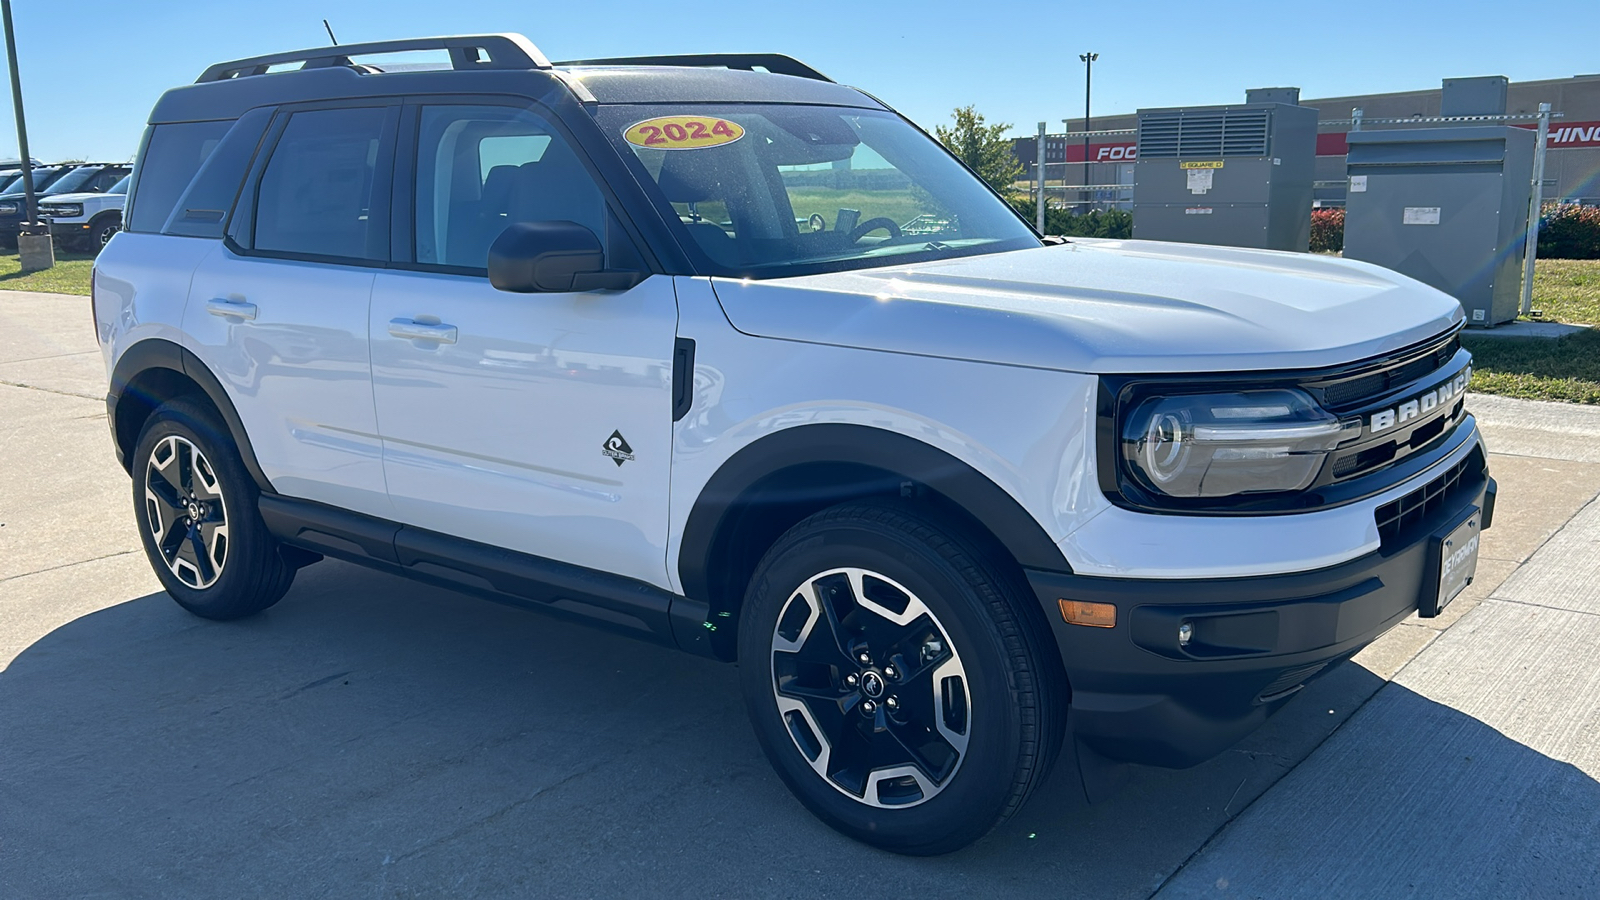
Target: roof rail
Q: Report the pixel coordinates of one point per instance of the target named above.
(776, 63)
(471, 51)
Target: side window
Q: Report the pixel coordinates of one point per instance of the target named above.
(480, 168)
(204, 206)
(172, 154)
(108, 178)
(317, 194)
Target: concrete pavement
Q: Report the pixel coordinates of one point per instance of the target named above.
(369, 736)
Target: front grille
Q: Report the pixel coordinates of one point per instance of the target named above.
(1395, 373)
(1422, 506)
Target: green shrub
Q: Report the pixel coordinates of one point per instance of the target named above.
(1569, 231)
(1327, 230)
(1101, 223)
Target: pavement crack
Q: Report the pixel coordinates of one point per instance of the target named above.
(1581, 612)
(497, 814)
(69, 565)
(34, 387)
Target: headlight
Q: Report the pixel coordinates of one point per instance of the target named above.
(63, 211)
(8, 209)
(1225, 444)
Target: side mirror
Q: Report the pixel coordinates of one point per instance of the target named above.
(553, 257)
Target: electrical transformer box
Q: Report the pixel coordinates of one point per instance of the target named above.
(1446, 206)
(1239, 175)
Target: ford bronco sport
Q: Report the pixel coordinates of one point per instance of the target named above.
(715, 352)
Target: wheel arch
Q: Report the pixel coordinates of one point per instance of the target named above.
(767, 487)
(155, 370)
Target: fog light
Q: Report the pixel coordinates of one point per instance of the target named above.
(1185, 634)
(1094, 615)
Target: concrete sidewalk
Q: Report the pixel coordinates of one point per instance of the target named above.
(1476, 771)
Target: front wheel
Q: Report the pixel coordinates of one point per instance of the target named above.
(198, 518)
(895, 680)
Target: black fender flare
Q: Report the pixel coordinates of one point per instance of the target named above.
(904, 457)
(159, 353)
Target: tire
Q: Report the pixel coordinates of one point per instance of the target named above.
(101, 231)
(227, 565)
(954, 666)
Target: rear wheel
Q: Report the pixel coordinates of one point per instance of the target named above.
(894, 679)
(198, 518)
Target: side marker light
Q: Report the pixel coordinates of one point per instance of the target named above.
(1093, 615)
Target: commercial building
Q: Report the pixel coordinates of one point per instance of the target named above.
(1572, 167)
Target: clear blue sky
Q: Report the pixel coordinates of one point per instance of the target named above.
(92, 70)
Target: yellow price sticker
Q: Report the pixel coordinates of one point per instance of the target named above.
(1208, 164)
(683, 133)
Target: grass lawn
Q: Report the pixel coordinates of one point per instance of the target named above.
(1565, 369)
(1567, 290)
(70, 275)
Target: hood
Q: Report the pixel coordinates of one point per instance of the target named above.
(1106, 306)
(78, 198)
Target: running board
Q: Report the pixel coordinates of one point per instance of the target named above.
(615, 603)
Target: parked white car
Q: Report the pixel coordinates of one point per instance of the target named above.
(717, 353)
(86, 221)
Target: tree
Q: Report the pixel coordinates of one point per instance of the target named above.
(984, 148)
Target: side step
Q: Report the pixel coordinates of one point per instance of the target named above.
(623, 605)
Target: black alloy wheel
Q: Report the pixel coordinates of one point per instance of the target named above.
(199, 519)
(185, 512)
(897, 677)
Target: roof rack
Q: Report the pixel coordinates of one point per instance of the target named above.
(776, 63)
(472, 51)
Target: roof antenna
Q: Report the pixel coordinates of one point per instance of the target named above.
(330, 32)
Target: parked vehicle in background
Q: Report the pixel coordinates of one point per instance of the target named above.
(92, 178)
(86, 221)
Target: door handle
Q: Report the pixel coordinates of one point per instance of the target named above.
(422, 331)
(235, 309)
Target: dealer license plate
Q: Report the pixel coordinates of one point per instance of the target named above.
(1458, 562)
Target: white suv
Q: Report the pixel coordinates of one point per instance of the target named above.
(718, 353)
(86, 221)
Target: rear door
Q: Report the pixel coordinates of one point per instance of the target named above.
(279, 311)
(536, 422)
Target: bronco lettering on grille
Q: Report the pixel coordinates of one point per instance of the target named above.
(1422, 405)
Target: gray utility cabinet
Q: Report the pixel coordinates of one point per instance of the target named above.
(1234, 175)
(1446, 206)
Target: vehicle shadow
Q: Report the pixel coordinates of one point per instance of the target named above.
(373, 736)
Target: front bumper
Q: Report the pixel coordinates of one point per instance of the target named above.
(67, 228)
(1138, 696)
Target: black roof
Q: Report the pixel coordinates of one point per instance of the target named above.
(499, 64)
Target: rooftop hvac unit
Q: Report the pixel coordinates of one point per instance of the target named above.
(1234, 175)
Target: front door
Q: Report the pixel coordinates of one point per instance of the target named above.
(537, 422)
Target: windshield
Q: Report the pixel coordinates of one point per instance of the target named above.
(73, 182)
(41, 178)
(772, 190)
(121, 187)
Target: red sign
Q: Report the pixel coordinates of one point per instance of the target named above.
(1563, 136)
(1118, 152)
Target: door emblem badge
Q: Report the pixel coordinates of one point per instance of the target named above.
(617, 448)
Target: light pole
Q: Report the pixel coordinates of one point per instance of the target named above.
(32, 253)
(1088, 80)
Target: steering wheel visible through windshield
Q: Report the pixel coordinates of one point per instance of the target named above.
(772, 190)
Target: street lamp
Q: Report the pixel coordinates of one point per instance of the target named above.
(33, 253)
(1088, 79)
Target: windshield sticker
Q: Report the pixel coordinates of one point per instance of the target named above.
(683, 133)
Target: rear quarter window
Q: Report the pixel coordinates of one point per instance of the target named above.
(172, 156)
